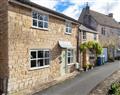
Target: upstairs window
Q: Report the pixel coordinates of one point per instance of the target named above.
(39, 20)
(84, 35)
(68, 28)
(39, 58)
(103, 30)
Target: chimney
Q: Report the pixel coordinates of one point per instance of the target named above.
(87, 6)
(110, 15)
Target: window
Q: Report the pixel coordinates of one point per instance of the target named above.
(103, 30)
(95, 37)
(84, 35)
(68, 28)
(69, 56)
(39, 20)
(39, 58)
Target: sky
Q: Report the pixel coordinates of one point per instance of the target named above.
(73, 8)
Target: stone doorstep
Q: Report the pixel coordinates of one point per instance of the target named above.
(55, 81)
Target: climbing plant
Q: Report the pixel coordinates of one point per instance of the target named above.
(92, 46)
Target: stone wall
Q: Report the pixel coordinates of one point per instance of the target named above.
(3, 39)
(22, 37)
(111, 36)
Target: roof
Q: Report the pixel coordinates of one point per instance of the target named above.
(84, 28)
(31, 4)
(104, 19)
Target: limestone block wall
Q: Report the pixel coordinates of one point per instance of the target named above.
(22, 37)
(3, 39)
(111, 36)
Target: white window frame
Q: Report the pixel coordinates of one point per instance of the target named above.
(37, 66)
(84, 35)
(40, 20)
(68, 27)
(71, 56)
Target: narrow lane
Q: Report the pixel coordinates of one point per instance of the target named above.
(83, 83)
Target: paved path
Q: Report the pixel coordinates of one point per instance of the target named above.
(83, 83)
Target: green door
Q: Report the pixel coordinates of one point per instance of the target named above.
(63, 63)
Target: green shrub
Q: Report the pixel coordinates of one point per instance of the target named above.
(114, 89)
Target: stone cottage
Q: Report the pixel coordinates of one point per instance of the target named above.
(86, 34)
(108, 29)
(37, 45)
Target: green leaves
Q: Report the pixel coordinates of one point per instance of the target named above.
(91, 45)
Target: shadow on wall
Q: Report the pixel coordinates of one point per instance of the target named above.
(4, 67)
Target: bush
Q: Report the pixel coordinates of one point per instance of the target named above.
(114, 89)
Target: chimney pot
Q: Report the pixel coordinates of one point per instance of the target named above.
(110, 15)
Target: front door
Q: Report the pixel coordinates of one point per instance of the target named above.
(63, 62)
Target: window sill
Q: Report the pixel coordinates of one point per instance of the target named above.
(68, 33)
(37, 68)
(33, 27)
(70, 64)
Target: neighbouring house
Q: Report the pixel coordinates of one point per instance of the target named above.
(108, 30)
(37, 45)
(86, 34)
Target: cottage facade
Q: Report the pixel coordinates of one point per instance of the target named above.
(37, 45)
(86, 34)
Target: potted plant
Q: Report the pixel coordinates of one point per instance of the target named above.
(90, 66)
(86, 67)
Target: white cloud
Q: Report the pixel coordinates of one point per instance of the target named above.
(107, 6)
(46, 3)
(102, 6)
(72, 11)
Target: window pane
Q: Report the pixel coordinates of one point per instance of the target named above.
(46, 61)
(33, 54)
(70, 30)
(71, 60)
(40, 17)
(40, 54)
(45, 25)
(69, 53)
(34, 14)
(67, 25)
(33, 63)
(47, 54)
(68, 60)
(40, 62)
(40, 24)
(45, 18)
(66, 29)
(34, 22)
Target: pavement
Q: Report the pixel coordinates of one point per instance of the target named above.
(84, 82)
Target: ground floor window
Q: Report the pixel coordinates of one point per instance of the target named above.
(39, 58)
(69, 56)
